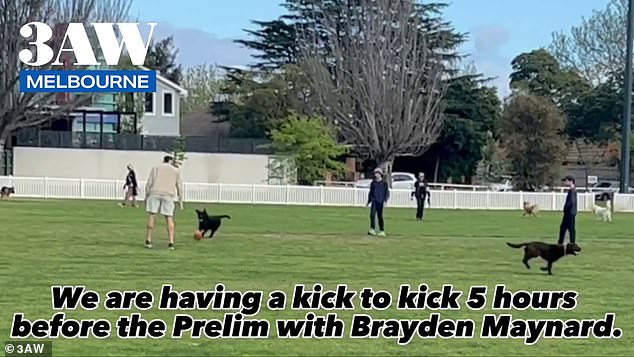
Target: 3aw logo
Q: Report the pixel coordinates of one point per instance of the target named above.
(77, 42)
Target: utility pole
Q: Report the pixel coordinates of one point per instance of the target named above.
(627, 110)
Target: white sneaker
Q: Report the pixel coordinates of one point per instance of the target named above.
(381, 234)
(371, 232)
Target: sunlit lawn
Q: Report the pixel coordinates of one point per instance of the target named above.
(100, 245)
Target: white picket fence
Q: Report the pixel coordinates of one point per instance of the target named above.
(89, 189)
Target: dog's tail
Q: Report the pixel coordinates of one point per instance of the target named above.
(516, 245)
(225, 216)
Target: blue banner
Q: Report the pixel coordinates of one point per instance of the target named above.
(87, 81)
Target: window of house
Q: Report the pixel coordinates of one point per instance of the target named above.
(149, 103)
(168, 103)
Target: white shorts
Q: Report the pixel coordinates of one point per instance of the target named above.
(159, 204)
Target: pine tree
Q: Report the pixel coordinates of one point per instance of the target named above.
(277, 40)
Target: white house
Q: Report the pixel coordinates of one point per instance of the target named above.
(161, 116)
(162, 108)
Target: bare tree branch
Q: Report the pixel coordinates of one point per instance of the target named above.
(377, 75)
(18, 109)
(596, 47)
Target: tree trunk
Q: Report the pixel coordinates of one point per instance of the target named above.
(436, 169)
(386, 166)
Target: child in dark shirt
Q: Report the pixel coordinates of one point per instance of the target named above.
(377, 197)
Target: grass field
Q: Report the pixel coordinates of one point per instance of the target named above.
(100, 245)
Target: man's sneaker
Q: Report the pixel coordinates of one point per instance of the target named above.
(371, 232)
(381, 234)
(171, 246)
(148, 244)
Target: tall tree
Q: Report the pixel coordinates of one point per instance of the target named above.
(532, 129)
(472, 114)
(592, 110)
(539, 73)
(203, 85)
(597, 114)
(162, 57)
(17, 109)
(377, 68)
(596, 47)
(277, 41)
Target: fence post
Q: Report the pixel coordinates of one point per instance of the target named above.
(288, 194)
(45, 187)
(521, 199)
(488, 199)
(455, 199)
(554, 201)
(220, 192)
(354, 198)
(253, 194)
(82, 188)
(321, 195)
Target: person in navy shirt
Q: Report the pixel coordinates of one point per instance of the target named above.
(570, 212)
(377, 198)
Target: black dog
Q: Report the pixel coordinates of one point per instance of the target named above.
(207, 223)
(6, 192)
(549, 252)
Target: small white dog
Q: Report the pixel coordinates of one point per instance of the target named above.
(603, 213)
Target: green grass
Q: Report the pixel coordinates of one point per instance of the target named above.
(100, 245)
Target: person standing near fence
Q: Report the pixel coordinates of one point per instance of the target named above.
(377, 198)
(421, 191)
(163, 185)
(131, 187)
(570, 212)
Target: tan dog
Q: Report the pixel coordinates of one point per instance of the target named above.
(530, 210)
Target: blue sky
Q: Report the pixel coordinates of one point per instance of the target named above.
(499, 29)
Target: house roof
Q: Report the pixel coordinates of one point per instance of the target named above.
(182, 91)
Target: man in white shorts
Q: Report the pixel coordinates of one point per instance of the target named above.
(163, 185)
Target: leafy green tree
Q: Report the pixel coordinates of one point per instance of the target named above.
(472, 113)
(532, 129)
(539, 73)
(597, 115)
(310, 146)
